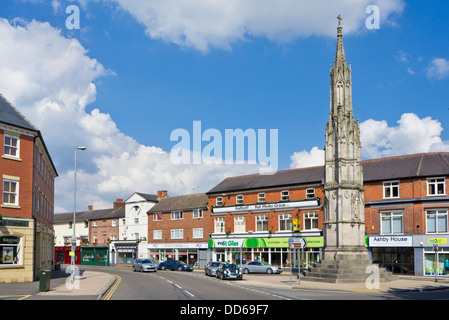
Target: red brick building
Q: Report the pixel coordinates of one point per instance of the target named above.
(178, 228)
(28, 173)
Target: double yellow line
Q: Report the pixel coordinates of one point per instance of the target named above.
(111, 291)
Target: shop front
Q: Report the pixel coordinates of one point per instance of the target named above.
(193, 254)
(123, 252)
(62, 255)
(95, 255)
(275, 251)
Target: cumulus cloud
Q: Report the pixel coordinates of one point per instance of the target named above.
(438, 69)
(411, 135)
(205, 24)
(51, 80)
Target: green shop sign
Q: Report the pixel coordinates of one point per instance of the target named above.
(312, 242)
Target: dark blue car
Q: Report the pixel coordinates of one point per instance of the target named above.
(174, 265)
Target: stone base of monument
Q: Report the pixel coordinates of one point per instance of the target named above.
(347, 268)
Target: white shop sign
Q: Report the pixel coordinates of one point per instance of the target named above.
(267, 206)
(390, 241)
(197, 245)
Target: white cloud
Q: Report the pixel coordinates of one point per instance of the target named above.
(411, 135)
(438, 69)
(205, 24)
(50, 79)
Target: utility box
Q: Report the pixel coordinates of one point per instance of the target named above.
(44, 281)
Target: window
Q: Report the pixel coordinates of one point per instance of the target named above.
(391, 189)
(239, 199)
(157, 216)
(219, 223)
(157, 234)
(261, 197)
(114, 222)
(136, 220)
(261, 223)
(285, 222)
(310, 193)
(176, 215)
(11, 192)
(435, 187)
(436, 221)
(391, 222)
(285, 195)
(11, 146)
(240, 224)
(311, 220)
(219, 201)
(197, 233)
(197, 214)
(177, 233)
(95, 224)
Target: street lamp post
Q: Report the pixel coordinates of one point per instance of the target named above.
(74, 221)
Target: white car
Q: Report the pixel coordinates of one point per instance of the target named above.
(144, 265)
(260, 267)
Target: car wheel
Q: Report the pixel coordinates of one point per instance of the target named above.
(246, 271)
(269, 271)
(179, 268)
(163, 268)
(222, 276)
(141, 269)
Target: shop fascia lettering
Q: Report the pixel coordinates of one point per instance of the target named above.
(265, 206)
(390, 241)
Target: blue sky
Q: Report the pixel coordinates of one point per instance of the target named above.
(142, 69)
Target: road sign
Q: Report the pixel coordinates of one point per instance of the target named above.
(298, 243)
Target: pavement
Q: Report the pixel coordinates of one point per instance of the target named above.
(95, 285)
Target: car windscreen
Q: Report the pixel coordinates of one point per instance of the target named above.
(146, 261)
(215, 264)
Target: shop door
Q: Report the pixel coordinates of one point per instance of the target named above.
(221, 257)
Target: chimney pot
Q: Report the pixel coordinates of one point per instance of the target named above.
(161, 194)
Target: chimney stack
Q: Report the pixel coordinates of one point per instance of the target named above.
(161, 194)
(118, 204)
(90, 207)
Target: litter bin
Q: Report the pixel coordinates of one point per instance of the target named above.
(44, 280)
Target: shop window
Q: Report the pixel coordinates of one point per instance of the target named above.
(436, 187)
(10, 192)
(219, 224)
(391, 189)
(240, 224)
(391, 222)
(285, 195)
(261, 223)
(239, 199)
(285, 222)
(11, 146)
(197, 213)
(10, 250)
(261, 197)
(311, 220)
(436, 221)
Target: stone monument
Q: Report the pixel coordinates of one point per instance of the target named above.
(345, 257)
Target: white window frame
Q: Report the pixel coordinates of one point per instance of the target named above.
(157, 234)
(262, 222)
(239, 199)
(17, 147)
(177, 215)
(438, 213)
(16, 193)
(310, 218)
(219, 201)
(285, 195)
(239, 224)
(261, 197)
(310, 193)
(391, 215)
(219, 225)
(286, 216)
(197, 233)
(390, 186)
(177, 234)
(197, 214)
(157, 216)
(435, 182)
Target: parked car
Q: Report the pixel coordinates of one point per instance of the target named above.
(228, 271)
(260, 267)
(211, 268)
(144, 265)
(174, 265)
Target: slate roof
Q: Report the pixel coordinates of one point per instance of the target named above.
(10, 115)
(408, 166)
(148, 197)
(90, 215)
(184, 202)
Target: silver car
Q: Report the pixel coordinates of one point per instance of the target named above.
(211, 268)
(144, 265)
(260, 267)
